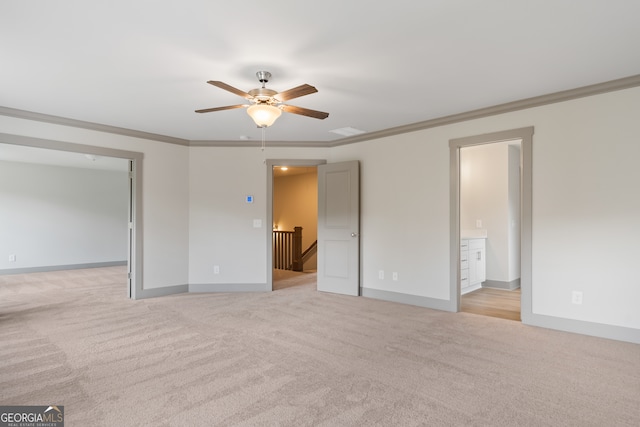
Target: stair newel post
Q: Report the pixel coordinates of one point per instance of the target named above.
(297, 249)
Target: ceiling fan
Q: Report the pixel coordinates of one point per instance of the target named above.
(267, 104)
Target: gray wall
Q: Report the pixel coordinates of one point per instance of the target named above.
(57, 216)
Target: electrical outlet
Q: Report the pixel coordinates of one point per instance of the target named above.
(381, 274)
(395, 276)
(576, 297)
(478, 223)
(12, 258)
(216, 269)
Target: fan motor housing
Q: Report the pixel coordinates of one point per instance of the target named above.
(262, 94)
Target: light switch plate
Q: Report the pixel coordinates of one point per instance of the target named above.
(257, 223)
(576, 297)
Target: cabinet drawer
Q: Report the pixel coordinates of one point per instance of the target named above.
(464, 245)
(464, 283)
(464, 274)
(464, 264)
(464, 256)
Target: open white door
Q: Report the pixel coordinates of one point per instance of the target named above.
(339, 228)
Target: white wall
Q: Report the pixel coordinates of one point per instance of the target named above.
(585, 208)
(404, 211)
(221, 222)
(165, 203)
(585, 227)
(57, 216)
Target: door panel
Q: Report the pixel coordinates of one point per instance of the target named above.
(336, 256)
(339, 228)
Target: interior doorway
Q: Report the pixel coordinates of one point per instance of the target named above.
(295, 226)
(490, 229)
(274, 168)
(338, 219)
(525, 135)
(61, 152)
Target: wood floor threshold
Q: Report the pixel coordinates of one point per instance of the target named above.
(500, 303)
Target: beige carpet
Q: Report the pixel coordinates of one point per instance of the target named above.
(295, 357)
(283, 279)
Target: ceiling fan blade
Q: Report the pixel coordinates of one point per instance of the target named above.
(296, 92)
(231, 89)
(228, 107)
(304, 112)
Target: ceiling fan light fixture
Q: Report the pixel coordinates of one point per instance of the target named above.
(264, 115)
(266, 105)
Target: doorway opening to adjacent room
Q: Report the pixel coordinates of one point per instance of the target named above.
(64, 154)
(337, 225)
(295, 226)
(280, 225)
(491, 224)
(490, 229)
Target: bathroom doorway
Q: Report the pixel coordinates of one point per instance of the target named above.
(525, 136)
(490, 229)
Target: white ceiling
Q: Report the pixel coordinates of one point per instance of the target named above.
(143, 64)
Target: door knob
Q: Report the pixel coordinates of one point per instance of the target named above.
(354, 234)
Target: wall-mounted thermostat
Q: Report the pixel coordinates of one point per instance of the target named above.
(249, 199)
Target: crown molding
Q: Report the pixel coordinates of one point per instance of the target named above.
(537, 101)
(257, 143)
(57, 120)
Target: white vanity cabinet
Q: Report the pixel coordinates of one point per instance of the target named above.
(473, 270)
(464, 264)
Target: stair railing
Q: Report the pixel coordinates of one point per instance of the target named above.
(287, 249)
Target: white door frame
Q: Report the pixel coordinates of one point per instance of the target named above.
(269, 226)
(134, 283)
(526, 185)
